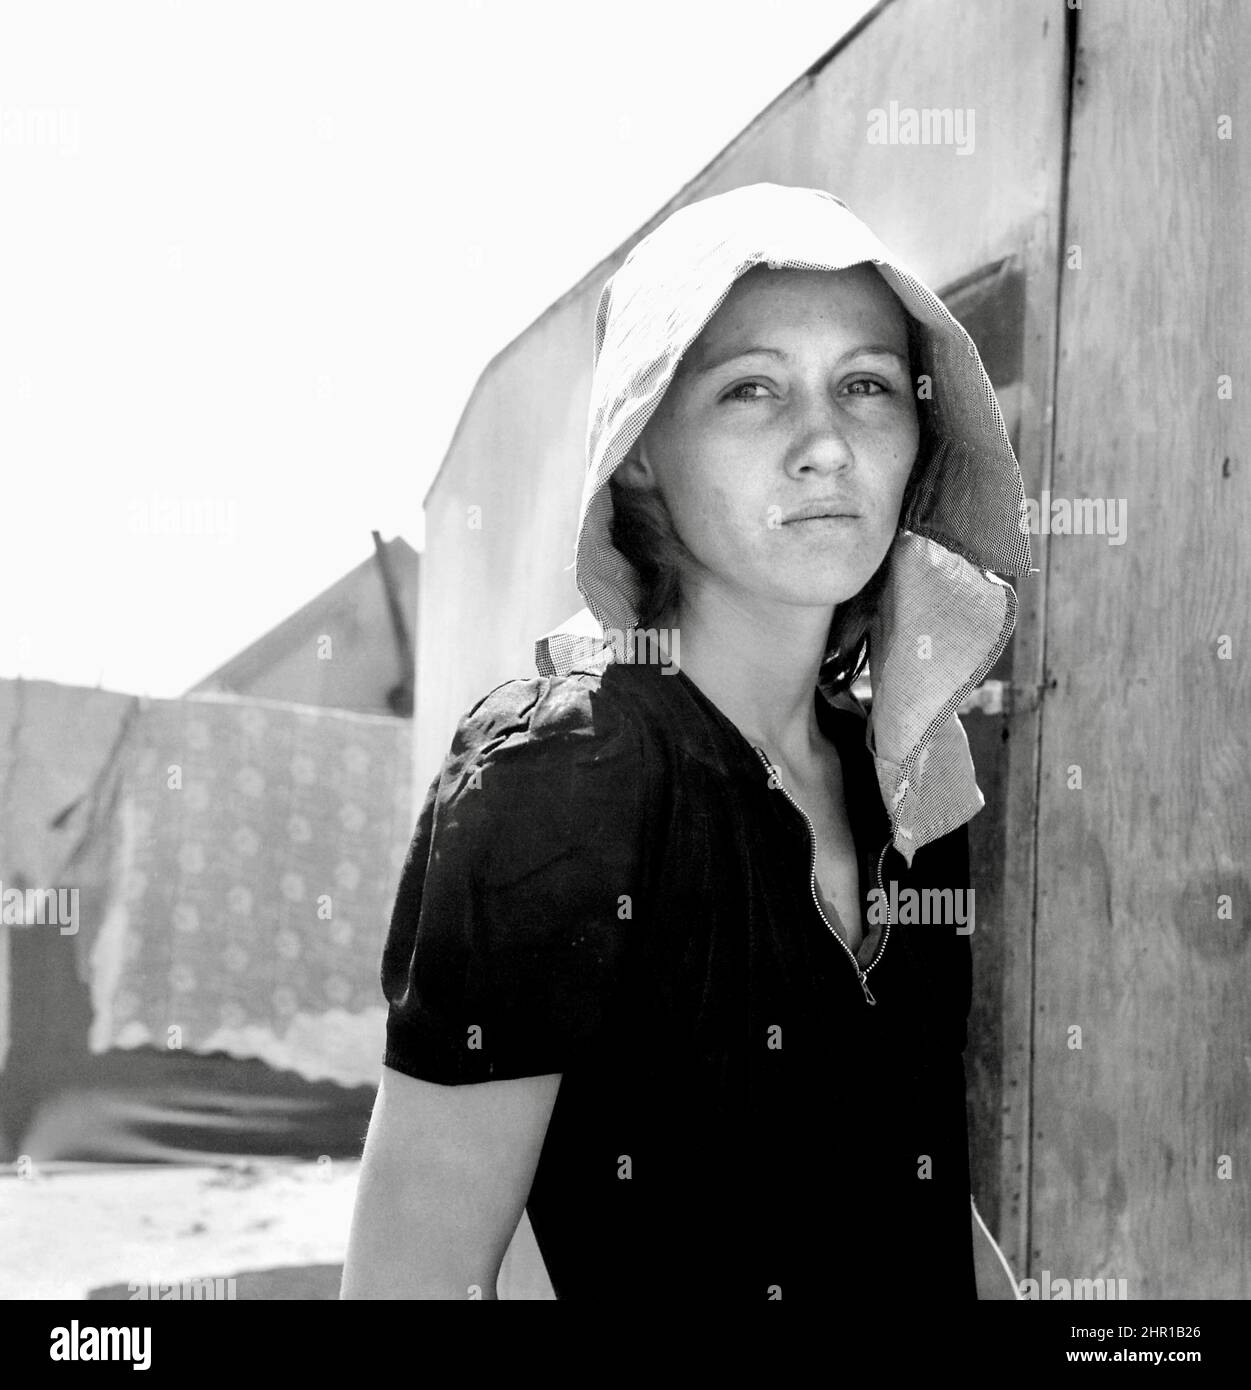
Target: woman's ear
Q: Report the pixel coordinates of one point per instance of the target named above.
(634, 470)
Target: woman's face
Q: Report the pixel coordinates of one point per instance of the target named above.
(796, 398)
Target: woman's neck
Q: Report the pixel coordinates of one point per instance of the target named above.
(758, 663)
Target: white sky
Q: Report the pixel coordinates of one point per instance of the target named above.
(255, 255)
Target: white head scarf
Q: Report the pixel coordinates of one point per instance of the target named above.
(963, 521)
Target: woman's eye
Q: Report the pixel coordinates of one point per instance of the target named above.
(733, 393)
(864, 381)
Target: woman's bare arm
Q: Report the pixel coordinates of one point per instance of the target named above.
(444, 1179)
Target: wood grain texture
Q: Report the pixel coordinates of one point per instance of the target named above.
(1129, 1131)
(1011, 316)
(1022, 730)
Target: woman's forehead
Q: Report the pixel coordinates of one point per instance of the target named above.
(856, 300)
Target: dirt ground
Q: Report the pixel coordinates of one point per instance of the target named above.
(89, 1230)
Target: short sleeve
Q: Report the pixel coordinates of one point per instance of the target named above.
(512, 921)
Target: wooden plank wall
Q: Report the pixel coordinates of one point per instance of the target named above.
(1142, 1120)
(1010, 315)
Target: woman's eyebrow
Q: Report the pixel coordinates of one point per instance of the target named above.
(733, 354)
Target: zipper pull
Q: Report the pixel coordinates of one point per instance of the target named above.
(864, 985)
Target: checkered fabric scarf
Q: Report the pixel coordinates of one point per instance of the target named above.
(963, 521)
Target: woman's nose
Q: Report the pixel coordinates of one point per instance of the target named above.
(820, 439)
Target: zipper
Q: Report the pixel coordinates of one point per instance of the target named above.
(862, 975)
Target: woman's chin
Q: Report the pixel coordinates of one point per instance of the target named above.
(774, 581)
(821, 588)
(822, 594)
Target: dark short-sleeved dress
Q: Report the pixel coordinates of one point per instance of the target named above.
(603, 883)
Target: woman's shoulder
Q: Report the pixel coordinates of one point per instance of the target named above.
(576, 712)
(544, 771)
(566, 742)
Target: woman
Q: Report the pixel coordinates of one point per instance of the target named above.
(644, 970)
